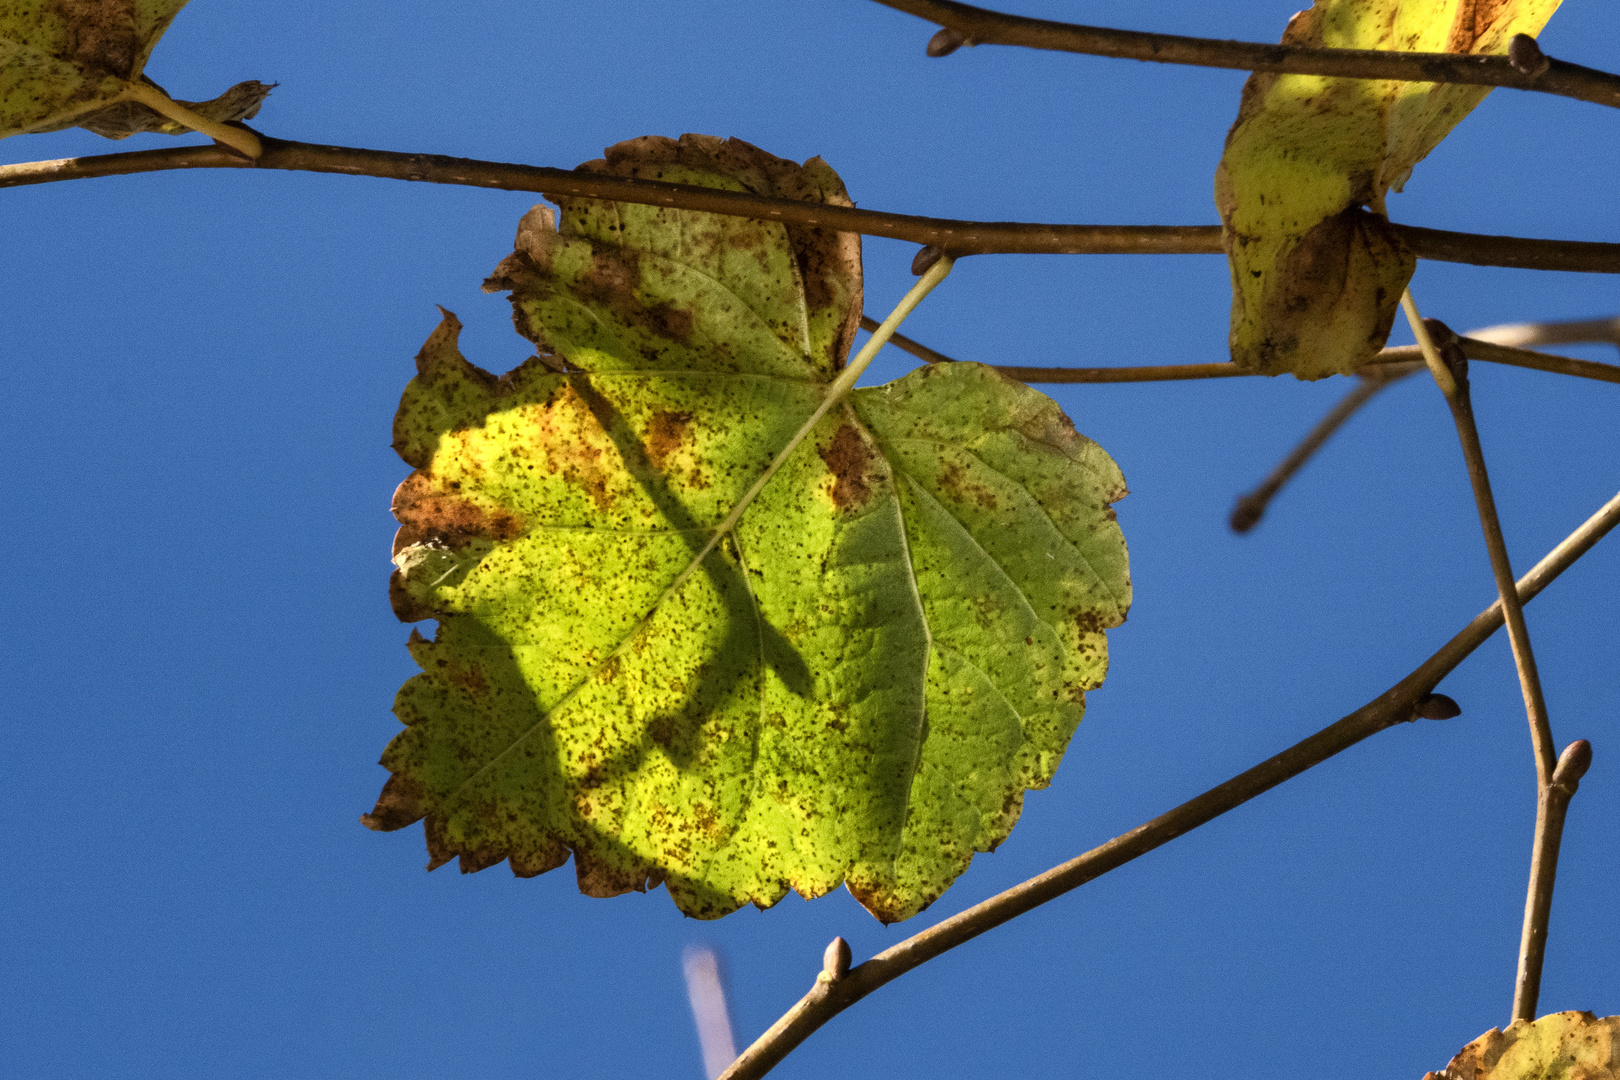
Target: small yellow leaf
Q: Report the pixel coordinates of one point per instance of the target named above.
(1558, 1046)
(1316, 270)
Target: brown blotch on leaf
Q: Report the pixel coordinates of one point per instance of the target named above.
(829, 261)
(848, 456)
(665, 434)
(428, 513)
(1326, 267)
(614, 282)
(400, 804)
(103, 35)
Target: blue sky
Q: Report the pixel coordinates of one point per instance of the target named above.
(201, 370)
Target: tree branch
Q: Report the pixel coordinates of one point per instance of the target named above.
(1572, 332)
(980, 26)
(955, 237)
(827, 999)
(1395, 357)
(1251, 508)
(1449, 366)
(1551, 809)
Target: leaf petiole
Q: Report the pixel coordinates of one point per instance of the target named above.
(835, 393)
(237, 139)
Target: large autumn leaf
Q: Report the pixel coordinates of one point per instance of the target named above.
(1558, 1046)
(1316, 270)
(72, 62)
(857, 685)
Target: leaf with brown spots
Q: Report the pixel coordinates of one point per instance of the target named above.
(71, 62)
(1558, 1046)
(1316, 270)
(856, 686)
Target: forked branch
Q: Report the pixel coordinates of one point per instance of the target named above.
(1251, 507)
(1449, 366)
(980, 26)
(955, 237)
(827, 998)
(1551, 809)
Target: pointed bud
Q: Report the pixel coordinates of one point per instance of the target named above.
(835, 961)
(1572, 765)
(1438, 707)
(924, 259)
(946, 42)
(1445, 340)
(1525, 54)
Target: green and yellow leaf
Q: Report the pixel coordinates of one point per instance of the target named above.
(1316, 271)
(858, 684)
(1558, 1046)
(71, 62)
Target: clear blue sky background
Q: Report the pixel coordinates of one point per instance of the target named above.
(200, 373)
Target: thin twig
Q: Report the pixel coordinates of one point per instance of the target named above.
(1393, 364)
(1551, 809)
(1449, 366)
(827, 999)
(1251, 507)
(1572, 332)
(956, 237)
(1397, 357)
(980, 26)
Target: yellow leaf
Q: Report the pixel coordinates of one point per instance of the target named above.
(1316, 270)
(1558, 1046)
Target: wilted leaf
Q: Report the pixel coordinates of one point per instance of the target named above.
(126, 118)
(70, 62)
(1559, 1046)
(857, 686)
(1316, 276)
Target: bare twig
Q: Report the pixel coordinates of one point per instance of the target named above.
(1252, 506)
(1523, 335)
(827, 999)
(706, 992)
(956, 237)
(1393, 364)
(1551, 809)
(1449, 366)
(1399, 357)
(980, 26)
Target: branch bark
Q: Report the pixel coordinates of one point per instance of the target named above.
(980, 26)
(1449, 366)
(1250, 508)
(827, 999)
(955, 237)
(1399, 356)
(1551, 810)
